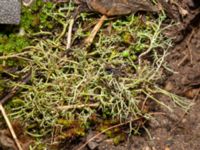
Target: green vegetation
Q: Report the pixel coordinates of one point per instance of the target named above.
(113, 79)
(12, 43)
(37, 18)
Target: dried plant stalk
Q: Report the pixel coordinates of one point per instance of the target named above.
(10, 127)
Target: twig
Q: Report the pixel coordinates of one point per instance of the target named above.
(3, 100)
(71, 23)
(41, 33)
(15, 89)
(77, 106)
(181, 10)
(188, 45)
(69, 34)
(182, 60)
(10, 127)
(28, 3)
(91, 37)
(110, 128)
(14, 55)
(24, 52)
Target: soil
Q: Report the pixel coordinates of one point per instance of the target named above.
(174, 130)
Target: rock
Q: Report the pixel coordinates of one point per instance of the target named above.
(153, 123)
(169, 86)
(10, 11)
(93, 144)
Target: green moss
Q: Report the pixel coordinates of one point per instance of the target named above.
(75, 131)
(12, 43)
(36, 18)
(127, 38)
(119, 138)
(33, 19)
(66, 123)
(16, 102)
(139, 48)
(133, 57)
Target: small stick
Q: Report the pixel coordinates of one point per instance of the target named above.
(110, 128)
(77, 106)
(3, 100)
(15, 89)
(10, 127)
(90, 39)
(188, 45)
(69, 34)
(27, 3)
(182, 60)
(181, 10)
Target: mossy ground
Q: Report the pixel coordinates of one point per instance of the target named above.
(73, 90)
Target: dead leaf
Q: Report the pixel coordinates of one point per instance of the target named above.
(119, 7)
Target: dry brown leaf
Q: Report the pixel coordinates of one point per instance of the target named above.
(119, 7)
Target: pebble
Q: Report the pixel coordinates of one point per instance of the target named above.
(92, 145)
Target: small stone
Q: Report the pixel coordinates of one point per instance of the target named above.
(92, 145)
(153, 123)
(184, 120)
(169, 86)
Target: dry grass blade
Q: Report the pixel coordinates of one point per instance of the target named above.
(10, 127)
(90, 39)
(69, 35)
(77, 106)
(110, 128)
